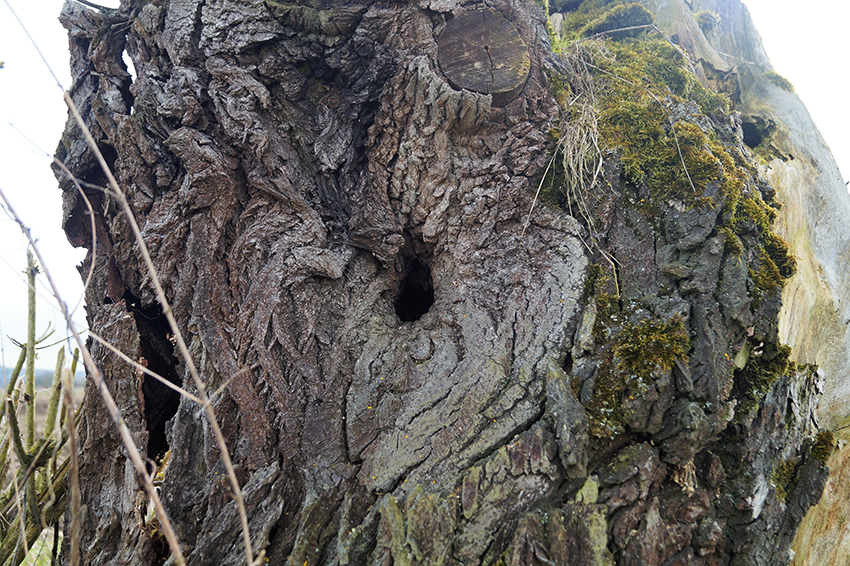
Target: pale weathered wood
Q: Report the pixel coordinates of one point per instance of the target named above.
(483, 52)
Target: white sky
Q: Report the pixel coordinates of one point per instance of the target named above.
(807, 45)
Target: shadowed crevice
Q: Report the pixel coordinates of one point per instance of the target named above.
(753, 135)
(160, 401)
(416, 294)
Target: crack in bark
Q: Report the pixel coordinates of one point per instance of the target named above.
(492, 66)
(428, 408)
(344, 411)
(476, 460)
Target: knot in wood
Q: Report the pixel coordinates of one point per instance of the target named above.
(483, 52)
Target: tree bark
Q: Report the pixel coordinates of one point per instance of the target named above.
(340, 232)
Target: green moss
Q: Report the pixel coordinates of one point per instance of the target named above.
(638, 84)
(779, 80)
(561, 90)
(619, 17)
(824, 446)
(580, 18)
(605, 412)
(575, 385)
(707, 20)
(639, 351)
(651, 345)
(765, 277)
(607, 315)
(778, 252)
(673, 160)
(733, 172)
(784, 478)
(596, 278)
(773, 263)
(731, 242)
(637, 79)
(754, 209)
(683, 169)
(761, 371)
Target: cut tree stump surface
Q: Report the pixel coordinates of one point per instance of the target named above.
(483, 52)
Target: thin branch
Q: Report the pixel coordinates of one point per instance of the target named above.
(29, 387)
(29, 384)
(56, 390)
(74, 470)
(21, 516)
(144, 369)
(79, 186)
(94, 371)
(111, 406)
(663, 107)
(13, 378)
(230, 380)
(175, 329)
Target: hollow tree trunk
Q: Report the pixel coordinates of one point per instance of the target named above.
(336, 213)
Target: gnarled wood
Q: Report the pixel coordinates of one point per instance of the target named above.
(299, 170)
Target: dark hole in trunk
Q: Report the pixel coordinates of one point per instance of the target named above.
(740, 384)
(160, 400)
(568, 364)
(753, 136)
(417, 293)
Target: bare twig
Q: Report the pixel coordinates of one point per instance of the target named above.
(175, 329)
(13, 378)
(29, 383)
(21, 516)
(144, 369)
(74, 470)
(111, 406)
(29, 386)
(664, 108)
(230, 380)
(55, 395)
(97, 377)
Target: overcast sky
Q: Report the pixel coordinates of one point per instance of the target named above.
(806, 45)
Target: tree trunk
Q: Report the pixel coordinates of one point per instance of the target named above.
(338, 223)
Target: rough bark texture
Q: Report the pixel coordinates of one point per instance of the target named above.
(327, 213)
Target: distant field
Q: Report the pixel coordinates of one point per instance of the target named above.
(43, 377)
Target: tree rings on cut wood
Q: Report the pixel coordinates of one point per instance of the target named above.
(483, 52)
